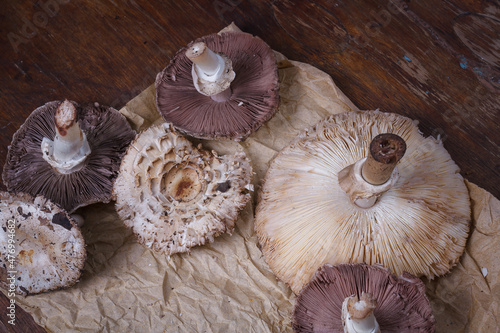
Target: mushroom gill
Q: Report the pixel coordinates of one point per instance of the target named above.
(27, 170)
(251, 99)
(304, 218)
(398, 304)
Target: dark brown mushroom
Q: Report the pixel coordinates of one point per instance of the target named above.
(251, 99)
(336, 293)
(70, 181)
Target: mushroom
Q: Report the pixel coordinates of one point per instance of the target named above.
(359, 298)
(175, 196)
(41, 248)
(316, 207)
(221, 86)
(67, 153)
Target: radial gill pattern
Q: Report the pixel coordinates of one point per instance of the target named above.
(175, 196)
(304, 219)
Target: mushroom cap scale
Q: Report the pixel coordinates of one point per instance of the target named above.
(25, 170)
(401, 302)
(254, 92)
(175, 196)
(304, 219)
(49, 247)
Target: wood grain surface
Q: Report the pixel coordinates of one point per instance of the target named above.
(434, 61)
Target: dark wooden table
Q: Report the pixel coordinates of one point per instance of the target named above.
(435, 61)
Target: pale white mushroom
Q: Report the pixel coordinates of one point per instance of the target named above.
(41, 248)
(304, 218)
(175, 196)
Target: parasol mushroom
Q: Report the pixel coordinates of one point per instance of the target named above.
(67, 153)
(175, 196)
(221, 86)
(359, 298)
(41, 248)
(316, 206)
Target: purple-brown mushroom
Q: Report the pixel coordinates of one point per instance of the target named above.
(221, 86)
(68, 153)
(360, 298)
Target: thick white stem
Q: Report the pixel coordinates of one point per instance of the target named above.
(70, 148)
(357, 314)
(208, 64)
(212, 73)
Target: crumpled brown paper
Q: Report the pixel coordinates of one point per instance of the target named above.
(226, 286)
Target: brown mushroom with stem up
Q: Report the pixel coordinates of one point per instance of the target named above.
(176, 196)
(41, 248)
(67, 153)
(221, 86)
(359, 298)
(330, 198)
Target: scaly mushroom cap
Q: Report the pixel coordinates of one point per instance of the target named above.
(304, 219)
(254, 98)
(401, 302)
(25, 170)
(175, 196)
(40, 245)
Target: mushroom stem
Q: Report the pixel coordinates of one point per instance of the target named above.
(70, 147)
(357, 314)
(367, 179)
(212, 73)
(208, 64)
(385, 152)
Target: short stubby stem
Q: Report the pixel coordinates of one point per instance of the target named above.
(357, 314)
(70, 147)
(367, 179)
(385, 152)
(212, 73)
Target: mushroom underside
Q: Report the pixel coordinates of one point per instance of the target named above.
(304, 219)
(25, 170)
(401, 302)
(254, 92)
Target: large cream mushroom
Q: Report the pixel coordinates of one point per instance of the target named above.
(316, 206)
(175, 196)
(41, 248)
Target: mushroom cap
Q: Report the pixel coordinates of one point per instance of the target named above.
(175, 196)
(49, 249)
(401, 302)
(255, 90)
(108, 134)
(304, 219)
